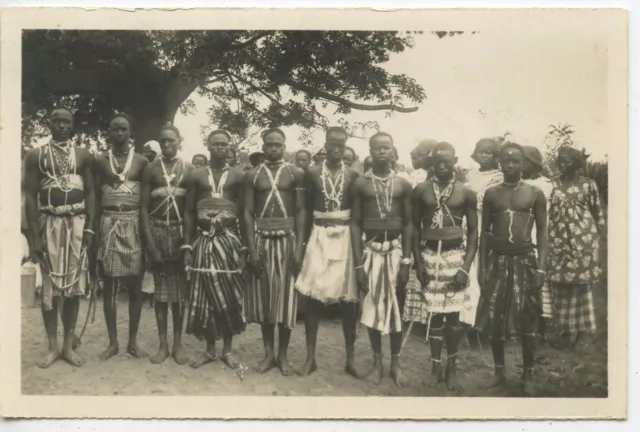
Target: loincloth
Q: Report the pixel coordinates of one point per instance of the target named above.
(170, 279)
(120, 248)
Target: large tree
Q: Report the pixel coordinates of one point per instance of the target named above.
(253, 78)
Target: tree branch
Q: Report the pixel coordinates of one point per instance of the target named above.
(251, 40)
(345, 102)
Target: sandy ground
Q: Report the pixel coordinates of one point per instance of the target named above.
(560, 373)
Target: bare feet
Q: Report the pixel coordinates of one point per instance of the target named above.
(230, 360)
(76, 342)
(435, 377)
(398, 377)
(451, 378)
(136, 351)
(203, 359)
(267, 364)
(49, 359)
(179, 355)
(376, 374)
(72, 358)
(285, 367)
(109, 352)
(528, 388)
(161, 355)
(350, 368)
(498, 378)
(309, 367)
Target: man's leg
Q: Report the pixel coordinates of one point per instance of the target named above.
(50, 319)
(70, 309)
(109, 303)
(134, 283)
(161, 309)
(436, 339)
(395, 370)
(284, 334)
(210, 354)
(452, 334)
(227, 355)
(349, 328)
(177, 312)
(375, 338)
(529, 326)
(497, 347)
(269, 361)
(311, 334)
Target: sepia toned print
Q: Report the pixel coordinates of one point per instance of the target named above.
(388, 207)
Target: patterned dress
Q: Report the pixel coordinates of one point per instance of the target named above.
(575, 221)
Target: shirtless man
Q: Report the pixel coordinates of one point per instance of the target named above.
(214, 253)
(513, 277)
(162, 202)
(275, 223)
(120, 255)
(327, 275)
(61, 229)
(382, 210)
(441, 205)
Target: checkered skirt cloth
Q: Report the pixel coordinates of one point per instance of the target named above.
(573, 307)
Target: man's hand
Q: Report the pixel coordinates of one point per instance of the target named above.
(187, 259)
(255, 266)
(421, 273)
(538, 279)
(296, 263)
(403, 276)
(37, 251)
(87, 240)
(460, 280)
(361, 280)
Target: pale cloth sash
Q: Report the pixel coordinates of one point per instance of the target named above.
(335, 240)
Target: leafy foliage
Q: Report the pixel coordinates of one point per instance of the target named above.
(557, 136)
(253, 78)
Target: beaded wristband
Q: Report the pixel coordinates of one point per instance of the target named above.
(87, 230)
(186, 246)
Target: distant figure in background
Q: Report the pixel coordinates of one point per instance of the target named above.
(303, 159)
(256, 159)
(399, 168)
(421, 161)
(320, 156)
(576, 224)
(368, 163)
(232, 156)
(349, 157)
(532, 174)
(152, 150)
(199, 161)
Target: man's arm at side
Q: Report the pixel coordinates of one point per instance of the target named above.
(249, 209)
(471, 214)
(541, 229)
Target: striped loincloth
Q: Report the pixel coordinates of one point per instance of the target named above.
(272, 298)
(509, 305)
(382, 306)
(327, 273)
(120, 248)
(573, 307)
(216, 285)
(65, 269)
(170, 280)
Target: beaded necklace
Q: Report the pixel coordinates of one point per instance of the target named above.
(337, 187)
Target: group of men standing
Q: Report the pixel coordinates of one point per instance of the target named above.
(228, 246)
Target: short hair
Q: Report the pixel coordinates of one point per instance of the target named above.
(200, 155)
(379, 134)
(62, 108)
(221, 132)
(273, 130)
(508, 145)
(337, 129)
(171, 127)
(307, 152)
(444, 147)
(121, 115)
(355, 155)
(234, 150)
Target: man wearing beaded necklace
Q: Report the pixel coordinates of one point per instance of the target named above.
(510, 299)
(441, 205)
(120, 253)
(60, 207)
(327, 275)
(162, 202)
(214, 255)
(275, 223)
(382, 209)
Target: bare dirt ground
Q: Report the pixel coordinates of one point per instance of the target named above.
(559, 373)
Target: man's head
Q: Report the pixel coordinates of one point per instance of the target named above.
(303, 159)
(120, 129)
(381, 148)
(335, 143)
(232, 156)
(486, 153)
(420, 156)
(218, 144)
(512, 161)
(151, 150)
(349, 156)
(199, 161)
(169, 140)
(320, 156)
(273, 145)
(444, 160)
(367, 163)
(256, 158)
(532, 162)
(570, 160)
(61, 122)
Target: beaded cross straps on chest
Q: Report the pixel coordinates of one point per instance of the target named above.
(274, 192)
(333, 198)
(170, 178)
(113, 163)
(383, 190)
(62, 158)
(442, 196)
(216, 189)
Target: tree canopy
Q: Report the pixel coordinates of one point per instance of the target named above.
(253, 78)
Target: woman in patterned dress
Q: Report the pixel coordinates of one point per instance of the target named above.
(575, 226)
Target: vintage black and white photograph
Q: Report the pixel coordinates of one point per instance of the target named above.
(417, 211)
